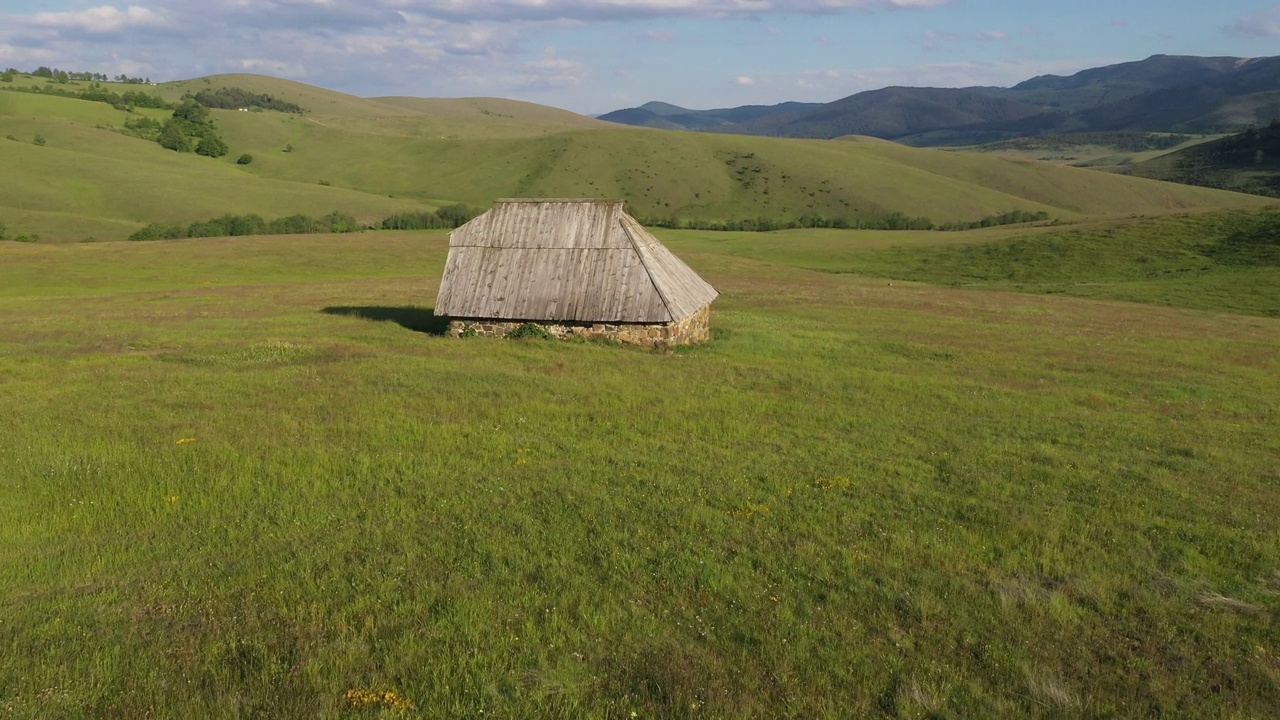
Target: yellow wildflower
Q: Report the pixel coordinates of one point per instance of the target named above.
(365, 697)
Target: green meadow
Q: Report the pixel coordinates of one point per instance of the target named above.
(1021, 471)
(383, 156)
(249, 477)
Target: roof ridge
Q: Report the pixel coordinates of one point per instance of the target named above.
(644, 262)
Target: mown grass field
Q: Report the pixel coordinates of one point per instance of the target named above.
(248, 478)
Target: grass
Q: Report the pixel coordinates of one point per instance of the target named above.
(1209, 261)
(384, 156)
(1080, 152)
(235, 485)
(90, 181)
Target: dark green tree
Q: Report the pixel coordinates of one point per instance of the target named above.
(192, 112)
(211, 145)
(173, 138)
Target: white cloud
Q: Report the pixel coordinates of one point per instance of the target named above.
(103, 19)
(746, 80)
(549, 73)
(272, 67)
(508, 10)
(990, 36)
(1260, 24)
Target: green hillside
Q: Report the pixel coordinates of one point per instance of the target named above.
(376, 157)
(1225, 261)
(318, 101)
(90, 181)
(1245, 162)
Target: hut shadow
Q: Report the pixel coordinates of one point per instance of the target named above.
(423, 320)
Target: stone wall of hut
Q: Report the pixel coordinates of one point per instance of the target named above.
(694, 329)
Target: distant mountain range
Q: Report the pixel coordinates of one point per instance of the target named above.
(1164, 93)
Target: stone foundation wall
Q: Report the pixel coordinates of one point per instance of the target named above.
(694, 329)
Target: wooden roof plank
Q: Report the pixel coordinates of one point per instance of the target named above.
(566, 260)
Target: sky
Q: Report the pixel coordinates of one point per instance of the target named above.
(593, 56)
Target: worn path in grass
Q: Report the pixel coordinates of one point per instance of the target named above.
(245, 477)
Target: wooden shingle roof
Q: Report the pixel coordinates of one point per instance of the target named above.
(565, 260)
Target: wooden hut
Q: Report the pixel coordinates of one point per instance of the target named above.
(581, 268)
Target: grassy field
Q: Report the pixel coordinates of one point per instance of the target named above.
(1209, 261)
(249, 478)
(376, 157)
(1066, 150)
(89, 181)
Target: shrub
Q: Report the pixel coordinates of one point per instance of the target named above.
(39, 139)
(293, 225)
(157, 231)
(244, 159)
(172, 138)
(529, 330)
(211, 146)
(448, 217)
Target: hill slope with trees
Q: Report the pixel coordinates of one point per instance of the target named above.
(88, 176)
(1244, 162)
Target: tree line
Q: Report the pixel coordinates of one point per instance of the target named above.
(447, 217)
(63, 76)
(234, 98)
(125, 101)
(891, 221)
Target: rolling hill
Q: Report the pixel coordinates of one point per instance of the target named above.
(383, 156)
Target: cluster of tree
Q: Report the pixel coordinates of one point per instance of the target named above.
(1124, 141)
(1010, 218)
(122, 101)
(64, 76)
(192, 130)
(446, 218)
(1245, 162)
(144, 127)
(892, 221)
(237, 225)
(235, 98)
